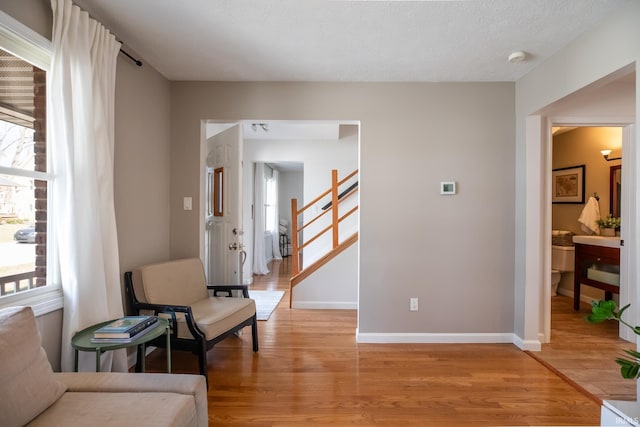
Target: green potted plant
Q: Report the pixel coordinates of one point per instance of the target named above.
(609, 225)
(606, 310)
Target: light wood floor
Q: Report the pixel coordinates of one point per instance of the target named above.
(310, 371)
(585, 353)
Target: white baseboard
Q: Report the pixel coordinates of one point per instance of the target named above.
(429, 338)
(325, 305)
(569, 293)
(527, 345)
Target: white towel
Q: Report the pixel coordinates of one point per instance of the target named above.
(589, 217)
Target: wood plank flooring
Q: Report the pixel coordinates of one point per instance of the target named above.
(585, 353)
(311, 371)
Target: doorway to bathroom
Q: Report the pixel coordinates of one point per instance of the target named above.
(586, 188)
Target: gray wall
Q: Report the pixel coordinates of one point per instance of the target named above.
(35, 14)
(142, 164)
(455, 253)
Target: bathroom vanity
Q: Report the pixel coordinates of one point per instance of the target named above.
(597, 264)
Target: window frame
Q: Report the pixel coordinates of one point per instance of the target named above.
(21, 41)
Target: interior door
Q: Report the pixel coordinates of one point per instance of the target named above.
(223, 241)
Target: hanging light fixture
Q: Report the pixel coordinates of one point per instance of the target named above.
(606, 153)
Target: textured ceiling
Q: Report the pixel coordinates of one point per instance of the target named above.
(323, 40)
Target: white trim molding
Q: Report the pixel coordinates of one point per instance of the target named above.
(42, 300)
(527, 345)
(21, 41)
(325, 305)
(435, 338)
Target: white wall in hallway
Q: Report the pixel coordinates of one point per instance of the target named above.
(318, 157)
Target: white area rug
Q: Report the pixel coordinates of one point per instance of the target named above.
(266, 302)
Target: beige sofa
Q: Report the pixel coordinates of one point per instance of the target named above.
(178, 290)
(32, 394)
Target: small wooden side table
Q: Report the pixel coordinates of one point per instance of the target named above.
(81, 341)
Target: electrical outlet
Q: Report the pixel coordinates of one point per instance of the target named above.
(413, 304)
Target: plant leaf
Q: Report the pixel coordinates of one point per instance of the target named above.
(633, 353)
(601, 311)
(628, 369)
(622, 310)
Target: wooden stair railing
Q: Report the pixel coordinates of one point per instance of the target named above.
(297, 275)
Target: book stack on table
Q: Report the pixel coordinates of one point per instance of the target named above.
(125, 330)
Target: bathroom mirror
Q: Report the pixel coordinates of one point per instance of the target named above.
(615, 185)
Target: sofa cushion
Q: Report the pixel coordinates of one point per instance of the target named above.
(138, 409)
(120, 382)
(179, 282)
(28, 385)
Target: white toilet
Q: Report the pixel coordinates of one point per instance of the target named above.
(562, 260)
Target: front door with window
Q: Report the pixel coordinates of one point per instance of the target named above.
(223, 240)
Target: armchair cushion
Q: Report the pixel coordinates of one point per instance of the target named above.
(156, 283)
(215, 315)
(28, 383)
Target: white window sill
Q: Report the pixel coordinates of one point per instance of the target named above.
(43, 302)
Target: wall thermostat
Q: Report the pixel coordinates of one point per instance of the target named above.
(448, 188)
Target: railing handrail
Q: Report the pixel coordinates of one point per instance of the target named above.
(317, 199)
(296, 247)
(16, 279)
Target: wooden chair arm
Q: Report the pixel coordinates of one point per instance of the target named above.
(228, 289)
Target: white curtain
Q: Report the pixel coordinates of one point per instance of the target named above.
(259, 256)
(275, 238)
(81, 134)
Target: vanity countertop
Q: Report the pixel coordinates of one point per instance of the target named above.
(610, 242)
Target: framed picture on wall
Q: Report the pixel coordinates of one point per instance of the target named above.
(568, 185)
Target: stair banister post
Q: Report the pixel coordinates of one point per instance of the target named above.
(334, 206)
(295, 258)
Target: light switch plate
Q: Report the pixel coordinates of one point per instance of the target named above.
(187, 204)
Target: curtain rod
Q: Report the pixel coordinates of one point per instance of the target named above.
(136, 61)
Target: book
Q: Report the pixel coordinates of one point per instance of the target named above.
(125, 340)
(125, 327)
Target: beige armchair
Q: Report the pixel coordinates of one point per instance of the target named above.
(178, 290)
(32, 394)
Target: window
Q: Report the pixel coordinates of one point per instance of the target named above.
(270, 200)
(25, 184)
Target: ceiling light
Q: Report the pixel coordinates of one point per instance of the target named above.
(263, 126)
(518, 56)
